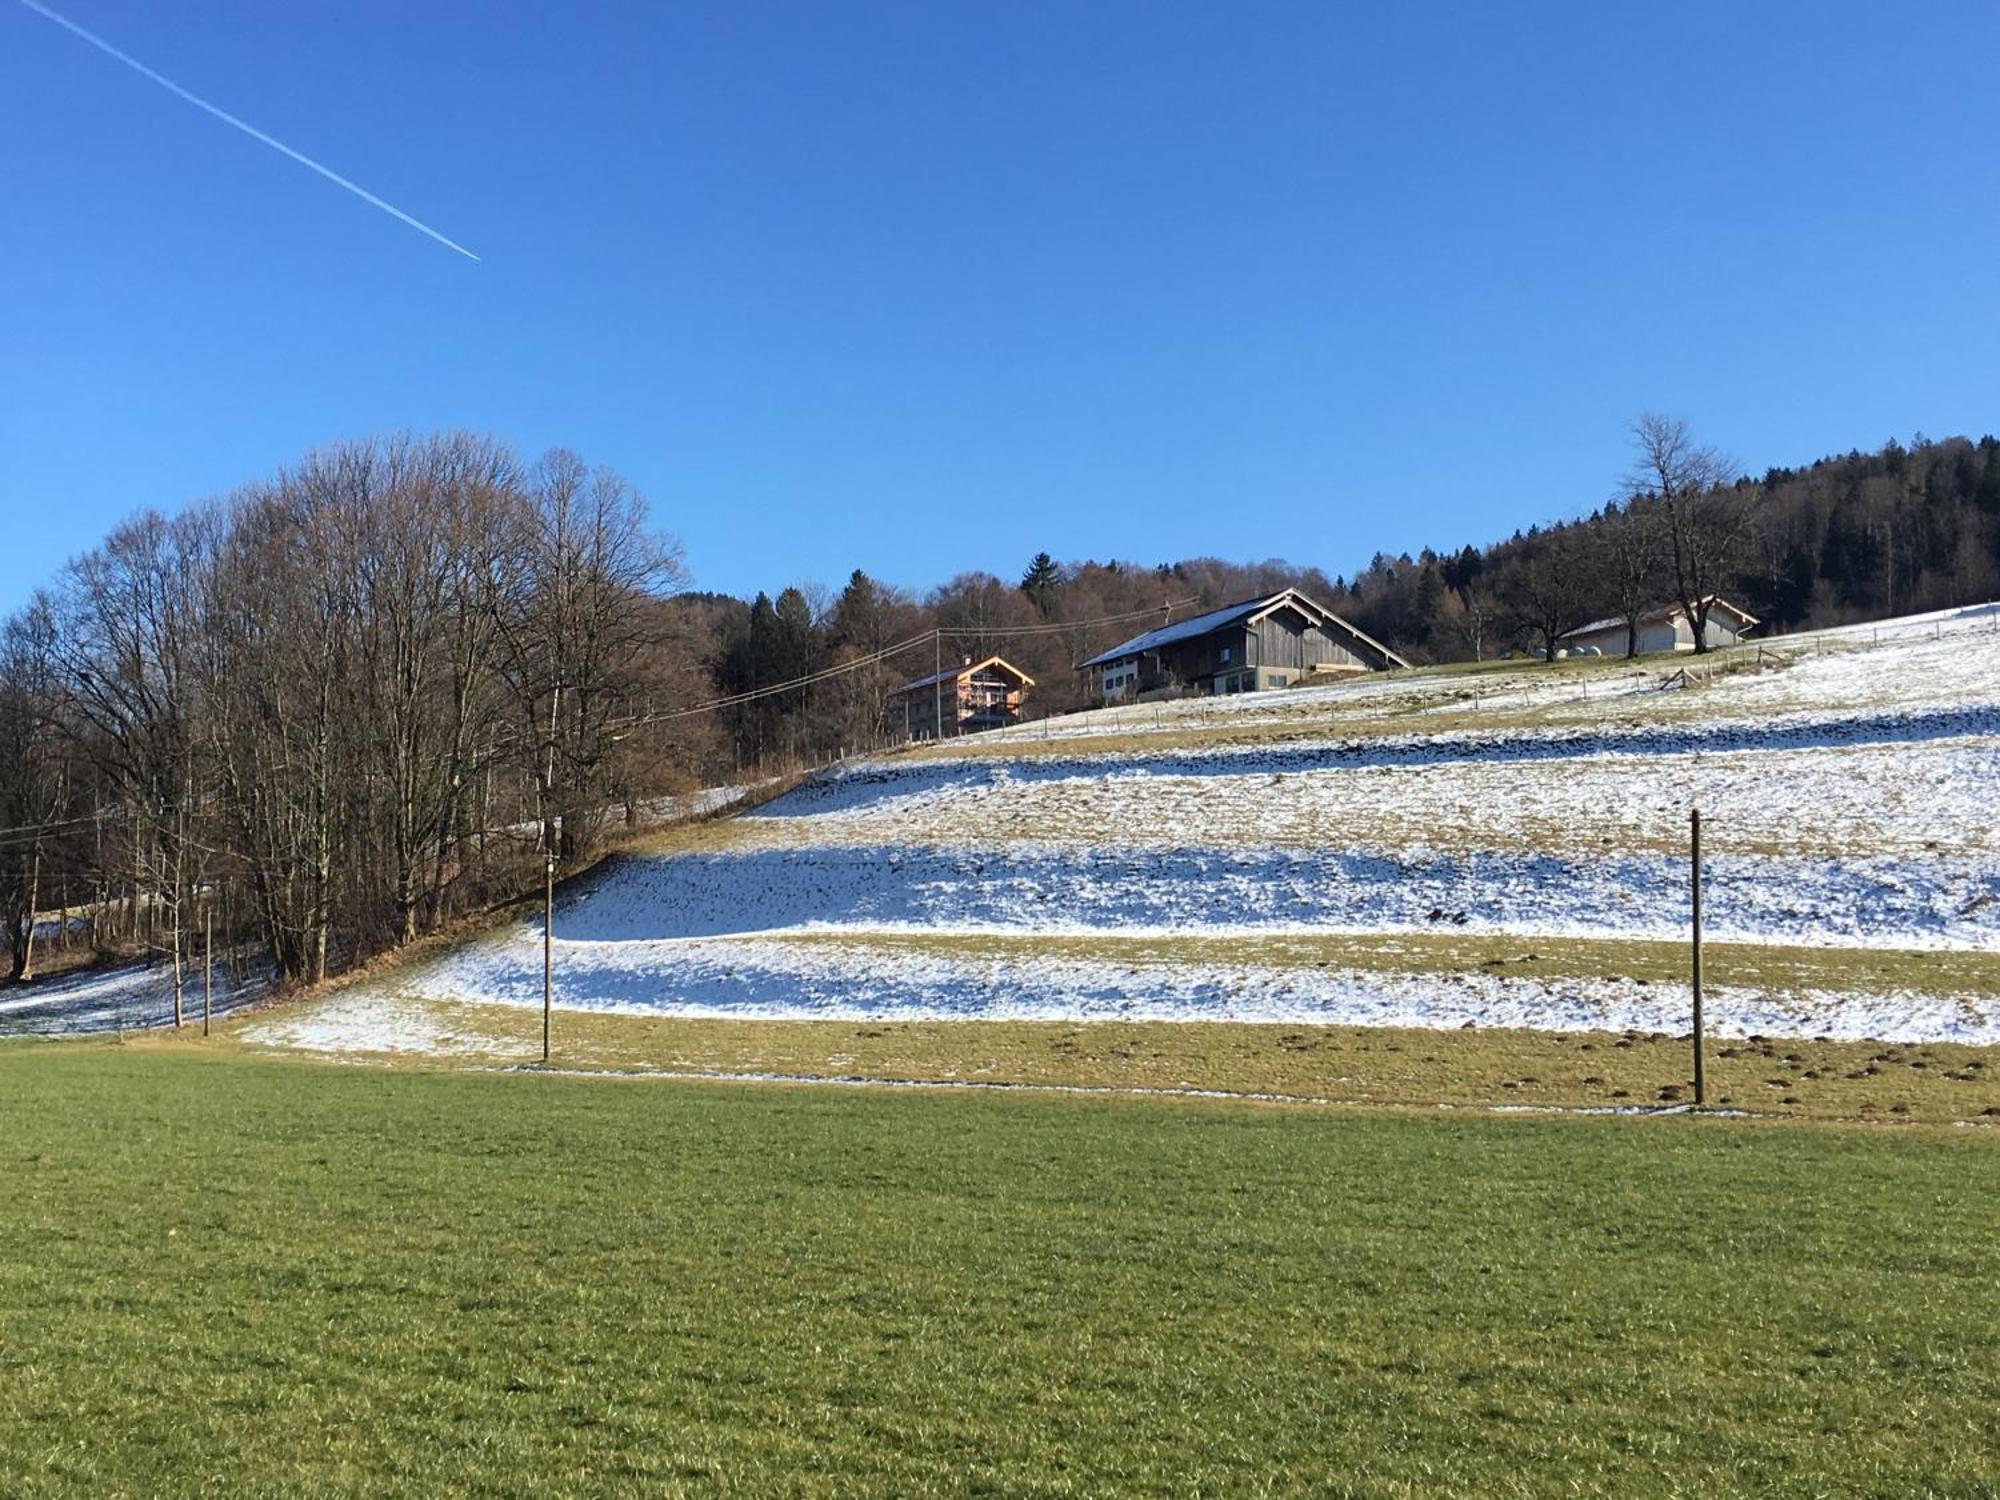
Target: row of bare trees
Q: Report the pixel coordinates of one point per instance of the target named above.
(1678, 534)
(341, 706)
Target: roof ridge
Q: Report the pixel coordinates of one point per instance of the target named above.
(1214, 618)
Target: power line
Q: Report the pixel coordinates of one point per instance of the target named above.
(54, 823)
(1057, 627)
(17, 840)
(751, 695)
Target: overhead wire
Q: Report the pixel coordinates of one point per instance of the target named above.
(25, 836)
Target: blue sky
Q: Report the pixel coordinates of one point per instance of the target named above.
(932, 286)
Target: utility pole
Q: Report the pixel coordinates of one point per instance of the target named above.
(549, 873)
(207, 961)
(1694, 840)
(548, 946)
(937, 683)
(180, 935)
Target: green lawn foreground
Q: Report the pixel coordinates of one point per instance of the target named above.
(246, 1277)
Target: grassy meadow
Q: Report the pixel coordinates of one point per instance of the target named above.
(1395, 1067)
(230, 1275)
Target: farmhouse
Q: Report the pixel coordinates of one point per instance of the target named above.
(1271, 641)
(1665, 629)
(971, 696)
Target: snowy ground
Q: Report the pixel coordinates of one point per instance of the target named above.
(1848, 795)
(1887, 902)
(776, 979)
(361, 1022)
(1894, 783)
(1919, 661)
(128, 998)
(692, 806)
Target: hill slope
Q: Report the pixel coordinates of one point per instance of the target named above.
(1502, 847)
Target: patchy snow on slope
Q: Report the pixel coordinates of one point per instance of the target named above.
(693, 806)
(1913, 672)
(1929, 903)
(1859, 828)
(1904, 792)
(1849, 799)
(772, 979)
(358, 1021)
(1945, 657)
(129, 998)
(1761, 731)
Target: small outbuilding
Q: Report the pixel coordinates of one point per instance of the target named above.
(1272, 641)
(1667, 628)
(972, 696)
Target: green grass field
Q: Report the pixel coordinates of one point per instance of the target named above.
(233, 1276)
(1396, 1067)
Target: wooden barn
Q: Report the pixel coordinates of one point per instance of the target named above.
(971, 696)
(1272, 641)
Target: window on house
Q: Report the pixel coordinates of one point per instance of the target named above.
(1225, 656)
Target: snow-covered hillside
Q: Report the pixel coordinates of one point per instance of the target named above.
(1932, 660)
(128, 998)
(1849, 791)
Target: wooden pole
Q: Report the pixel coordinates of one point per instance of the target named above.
(549, 874)
(207, 963)
(34, 900)
(1694, 843)
(180, 945)
(548, 947)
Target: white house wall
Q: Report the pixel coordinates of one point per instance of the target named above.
(1655, 636)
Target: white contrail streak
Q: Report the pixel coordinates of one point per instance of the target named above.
(250, 130)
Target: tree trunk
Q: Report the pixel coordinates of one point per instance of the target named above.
(24, 967)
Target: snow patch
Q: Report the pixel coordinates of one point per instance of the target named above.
(773, 979)
(357, 1021)
(128, 998)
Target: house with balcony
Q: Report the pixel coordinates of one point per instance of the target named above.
(965, 699)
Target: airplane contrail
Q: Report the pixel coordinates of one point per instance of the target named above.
(248, 129)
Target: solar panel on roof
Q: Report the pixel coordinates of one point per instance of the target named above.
(1196, 625)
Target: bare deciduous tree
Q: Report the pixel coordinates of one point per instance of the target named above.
(335, 700)
(1475, 618)
(1627, 554)
(1546, 592)
(1688, 493)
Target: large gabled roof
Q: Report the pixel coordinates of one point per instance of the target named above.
(1242, 612)
(1185, 630)
(950, 674)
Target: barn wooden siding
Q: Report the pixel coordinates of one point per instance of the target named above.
(1285, 638)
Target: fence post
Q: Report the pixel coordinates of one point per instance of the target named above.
(207, 962)
(1694, 886)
